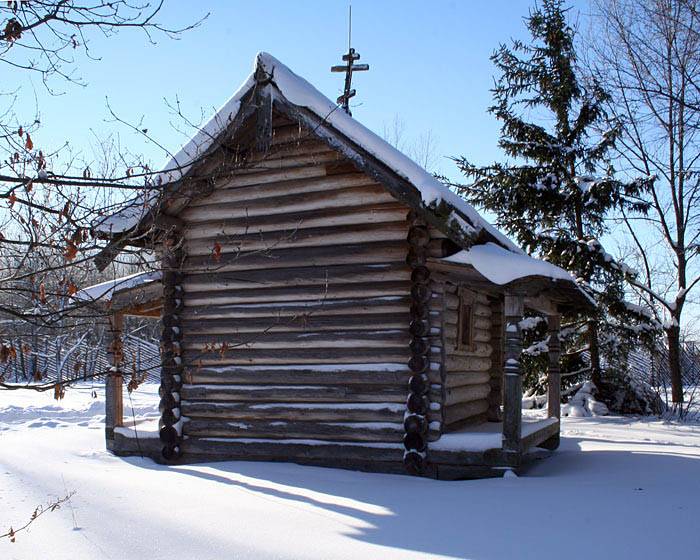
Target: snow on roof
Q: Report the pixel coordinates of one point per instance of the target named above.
(104, 291)
(501, 266)
(301, 93)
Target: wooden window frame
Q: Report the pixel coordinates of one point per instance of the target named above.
(465, 321)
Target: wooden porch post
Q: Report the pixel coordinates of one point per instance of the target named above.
(553, 376)
(114, 407)
(513, 388)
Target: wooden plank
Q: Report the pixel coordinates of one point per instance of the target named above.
(279, 429)
(309, 412)
(537, 437)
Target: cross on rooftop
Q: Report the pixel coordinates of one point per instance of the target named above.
(349, 67)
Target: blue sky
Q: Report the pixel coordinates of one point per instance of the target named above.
(429, 64)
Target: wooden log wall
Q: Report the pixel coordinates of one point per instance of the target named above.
(468, 372)
(296, 305)
(416, 421)
(171, 347)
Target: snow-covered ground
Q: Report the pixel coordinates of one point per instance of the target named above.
(617, 488)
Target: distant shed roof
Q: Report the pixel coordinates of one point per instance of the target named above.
(105, 291)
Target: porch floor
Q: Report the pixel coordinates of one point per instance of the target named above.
(488, 435)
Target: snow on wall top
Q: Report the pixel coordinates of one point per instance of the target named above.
(301, 93)
(104, 291)
(501, 266)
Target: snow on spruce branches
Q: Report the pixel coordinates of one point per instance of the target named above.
(557, 189)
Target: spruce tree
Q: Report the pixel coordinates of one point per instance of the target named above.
(558, 188)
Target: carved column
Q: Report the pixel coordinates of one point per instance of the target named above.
(114, 406)
(554, 373)
(496, 372)
(417, 404)
(171, 373)
(512, 386)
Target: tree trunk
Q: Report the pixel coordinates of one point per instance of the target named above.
(594, 350)
(673, 335)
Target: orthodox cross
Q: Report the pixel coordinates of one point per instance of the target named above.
(349, 67)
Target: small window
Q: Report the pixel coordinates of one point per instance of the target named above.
(465, 322)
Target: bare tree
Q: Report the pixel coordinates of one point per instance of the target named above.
(422, 149)
(647, 55)
(49, 196)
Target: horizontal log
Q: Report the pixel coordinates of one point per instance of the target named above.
(291, 293)
(337, 198)
(363, 374)
(290, 135)
(397, 338)
(479, 350)
(466, 393)
(299, 323)
(278, 162)
(450, 321)
(293, 450)
(302, 276)
(293, 393)
(334, 431)
(456, 363)
(479, 334)
(327, 217)
(479, 309)
(299, 356)
(383, 252)
(307, 146)
(322, 412)
(455, 379)
(458, 412)
(226, 191)
(274, 176)
(359, 306)
(311, 237)
(465, 424)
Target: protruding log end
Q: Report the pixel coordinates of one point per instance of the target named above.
(171, 452)
(414, 462)
(415, 424)
(417, 404)
(169, 435)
